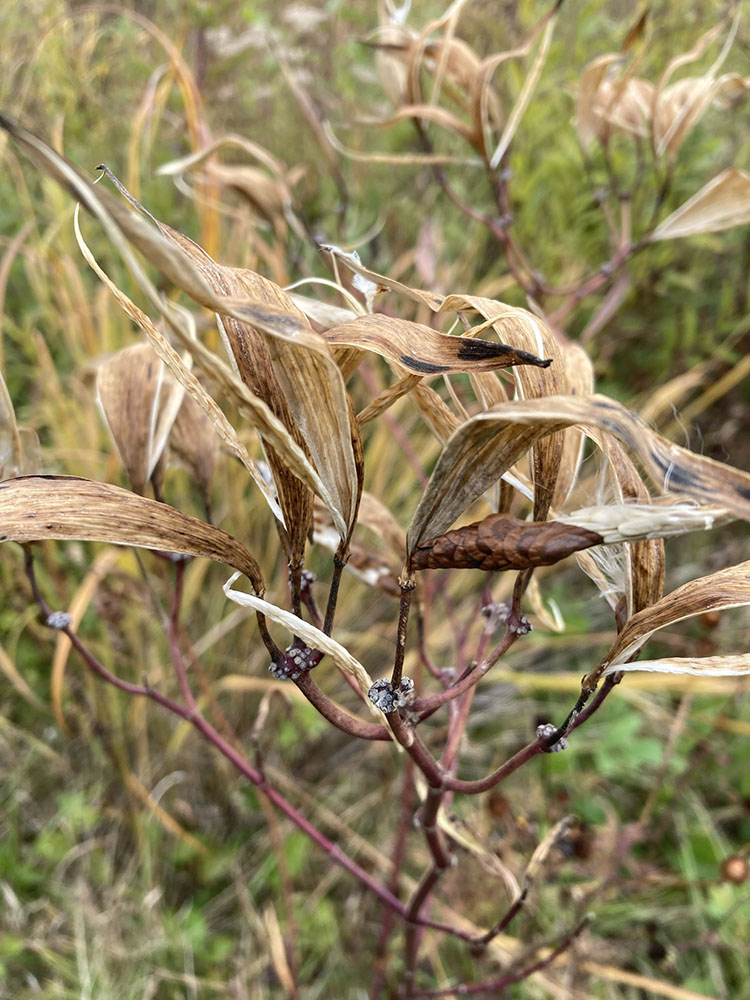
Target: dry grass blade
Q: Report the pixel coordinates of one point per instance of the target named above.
(728, 588)
(63, 507)
(140, 405)
(485, 446)
(424, 351)
(314, 638)
(722, 203)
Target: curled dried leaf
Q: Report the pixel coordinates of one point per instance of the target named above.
(722, 203)
(728, 588)
(500, 542)
(424, 351)
(488, 444)
(140, 403)
(36, 508)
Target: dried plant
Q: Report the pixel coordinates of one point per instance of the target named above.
(508, 398)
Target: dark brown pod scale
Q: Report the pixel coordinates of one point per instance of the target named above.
(501, 542)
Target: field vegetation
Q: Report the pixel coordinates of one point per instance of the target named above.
(431, 326)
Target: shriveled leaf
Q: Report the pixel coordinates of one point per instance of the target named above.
(139, 402)
(424, 351)
(727, 588)
(36, 508)
(555, 459)
(488, 444)
(182, 270)
(730, 665)
(722, 203)
(259, 413)
(500, 542)
(314, 638)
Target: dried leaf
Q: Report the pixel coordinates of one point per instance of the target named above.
(314, 638)
(722, 203)
(139, 402)
(727, 588)
(120, 219)
(488, 444)
(35, 508)
(182, 373)
(555, 460)
(424, 351)
(500, 542)
(730, 665)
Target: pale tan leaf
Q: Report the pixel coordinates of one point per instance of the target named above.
(674, 114)
(727, 588)
(424, 351)
(722, 203)
(529, 86)
(588, 117)
(314, 638)
(31, 452)
(139, 402)
(36, 508)
(730, 665)
(488, 444)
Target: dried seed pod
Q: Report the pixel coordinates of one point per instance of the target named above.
(501, 542)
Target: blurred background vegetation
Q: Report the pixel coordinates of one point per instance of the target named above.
(134, 863)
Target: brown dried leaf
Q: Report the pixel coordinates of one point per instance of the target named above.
(186, 378)
(728, 588)
(485, 446)
(500, 542)
(555, 460)
(333, 450)
(139, 402)
(722, 203)
(424, 351)
(36, 508)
